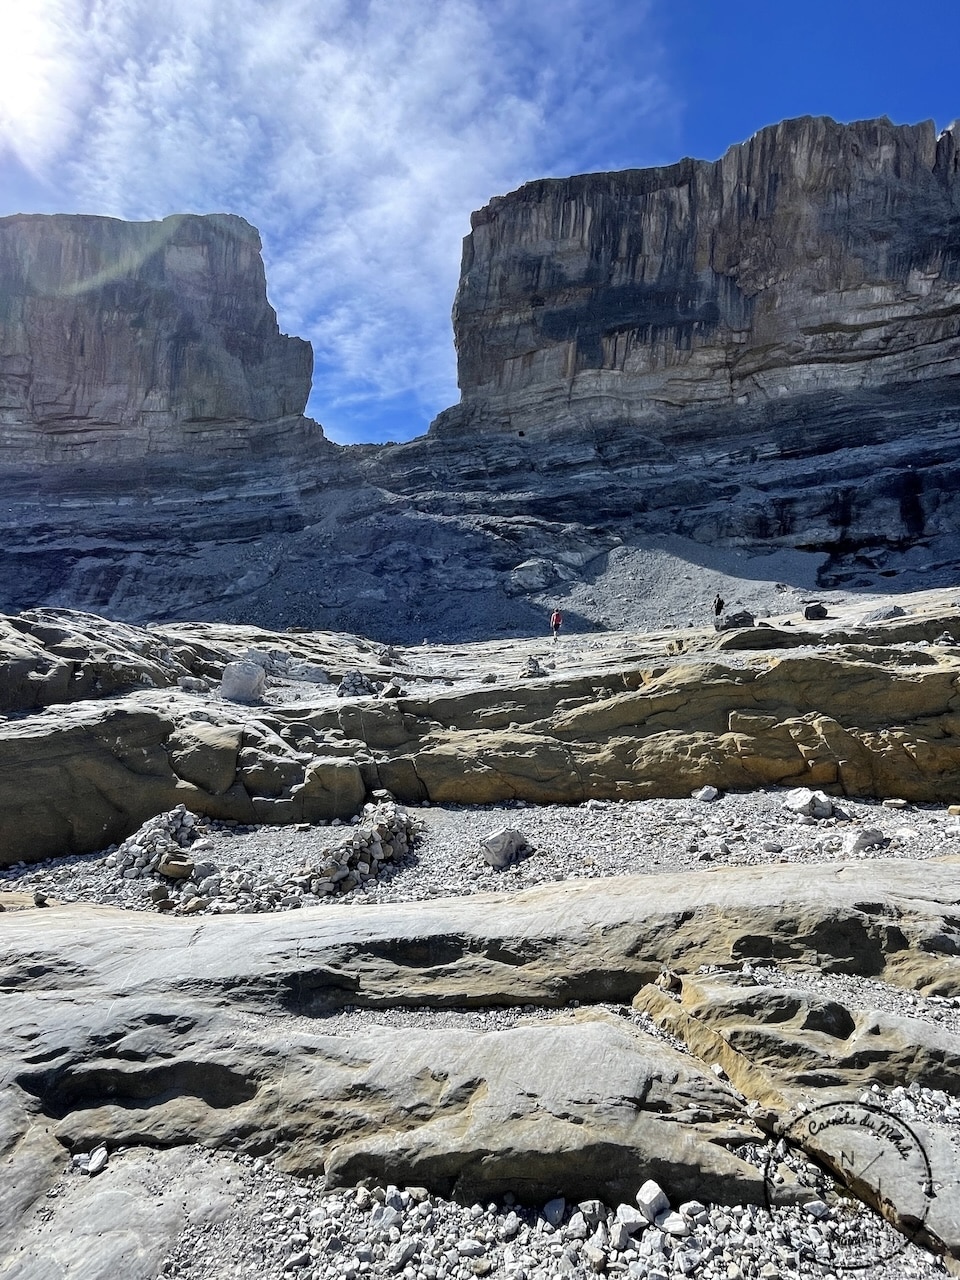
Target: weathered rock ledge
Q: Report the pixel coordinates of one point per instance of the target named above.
(866, 711)
(140, 1031)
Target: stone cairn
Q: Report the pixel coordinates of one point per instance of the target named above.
(160, 839)
(163, 865)
(356, 685)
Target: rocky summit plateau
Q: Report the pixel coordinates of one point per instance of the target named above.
(352, 925)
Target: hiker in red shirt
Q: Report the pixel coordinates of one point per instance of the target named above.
(556, 622)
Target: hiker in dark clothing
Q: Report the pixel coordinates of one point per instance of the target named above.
(718, 606)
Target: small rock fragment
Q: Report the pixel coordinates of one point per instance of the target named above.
(707, 793)
(652, 1200)
(554, 1210)
(857, 841)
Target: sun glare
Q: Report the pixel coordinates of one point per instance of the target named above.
(35, 75)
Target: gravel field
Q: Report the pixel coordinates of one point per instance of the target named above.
(295, 1230)
(597, 838)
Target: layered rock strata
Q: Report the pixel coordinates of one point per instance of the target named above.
(864, 712)
(757, 353)
(166, 1033)
(128, 340)
(815, 258)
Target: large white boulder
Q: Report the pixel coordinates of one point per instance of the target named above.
(243, 681)
(807, 803)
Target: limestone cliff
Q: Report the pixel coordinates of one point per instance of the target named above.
(755, 355)
(125, 340)
(816, 257)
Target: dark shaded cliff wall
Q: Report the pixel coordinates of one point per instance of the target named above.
(814, 258)
(135, 339)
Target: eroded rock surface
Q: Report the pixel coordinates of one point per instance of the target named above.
(146, 1031)
(273, 1033)
(133, 723)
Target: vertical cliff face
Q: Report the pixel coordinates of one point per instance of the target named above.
(126, 339)
(760, 353)
(816, 257)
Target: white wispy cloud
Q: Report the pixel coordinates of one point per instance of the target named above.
(356, 134)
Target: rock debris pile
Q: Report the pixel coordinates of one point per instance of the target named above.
(356, 685)
(914, 1102)
(446, 855)
(374, 1231)
(167, 866)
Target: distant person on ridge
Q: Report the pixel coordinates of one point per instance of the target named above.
(718, 606)
(556, 622)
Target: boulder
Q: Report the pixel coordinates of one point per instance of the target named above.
(736, 620)
(811, 804)
(706, 794)
(332, 787)
(866, 838)
(243, 681)
(206, 754)
(884, 614)
(267, 765)
(501, 847)
(91, 774)
(531, 576)
(175, 864)
(794, 1032)
(652, 1200)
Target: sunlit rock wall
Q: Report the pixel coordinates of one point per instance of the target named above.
(814, 258)
(122, 340)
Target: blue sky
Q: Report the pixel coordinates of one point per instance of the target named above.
(358, 135)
